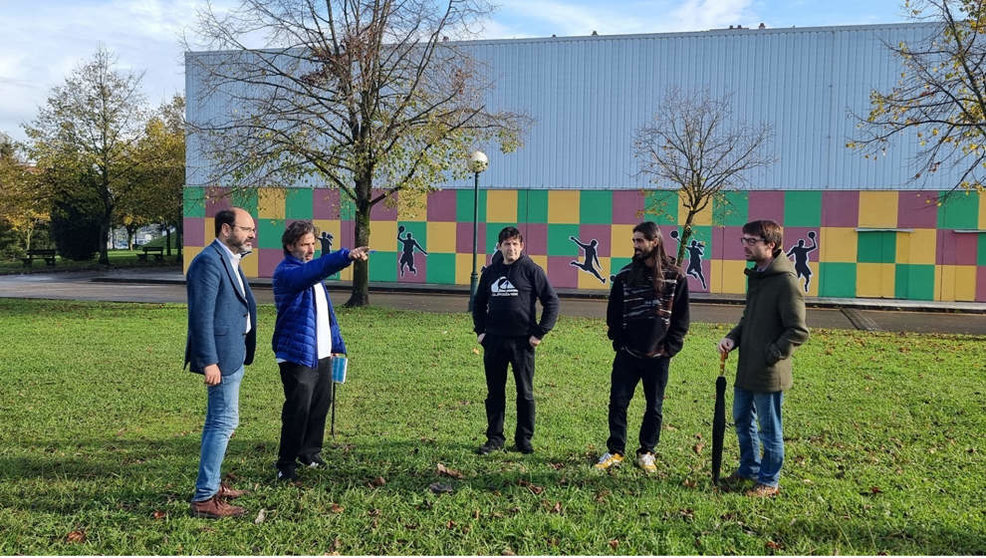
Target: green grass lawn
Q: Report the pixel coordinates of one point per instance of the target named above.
(118, 259)
(100, 438)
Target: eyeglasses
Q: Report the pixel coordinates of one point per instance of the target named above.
(246, 229)
(750, 240)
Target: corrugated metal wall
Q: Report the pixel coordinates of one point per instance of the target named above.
(588, 95)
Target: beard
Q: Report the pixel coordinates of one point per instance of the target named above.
(645, 256)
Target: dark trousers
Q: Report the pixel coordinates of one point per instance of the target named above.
(627, 371)
(307, 398)
(518, 353)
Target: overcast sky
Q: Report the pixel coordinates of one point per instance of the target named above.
(42, 41)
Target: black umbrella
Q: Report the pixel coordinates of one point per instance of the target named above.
(719, 419)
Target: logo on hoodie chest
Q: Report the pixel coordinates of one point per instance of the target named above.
(503, 287)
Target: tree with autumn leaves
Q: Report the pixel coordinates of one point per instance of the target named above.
(940, 97)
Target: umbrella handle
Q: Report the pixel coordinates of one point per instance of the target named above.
(722, 363)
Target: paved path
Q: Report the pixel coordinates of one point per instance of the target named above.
(155, 285)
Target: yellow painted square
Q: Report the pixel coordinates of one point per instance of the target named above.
(347, 273)
(501, 206)
(441, 237)
(703, 217)
(875, 280)
(878, 209)
(727, 277)
(250, 266)
(587, 280)
(542, 261)
(955, 282)
(917, 246)
(621, 241)
(982, 209)
(383, 236)
(210, 230)
(563, 206)
(188, 254)
(331, 226)
(463, 267)
(837, 244)
(412, 206)
(270, 203)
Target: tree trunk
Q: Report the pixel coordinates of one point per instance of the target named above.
(361, 270)
(167, 240)
(686, 233)
(104, 235)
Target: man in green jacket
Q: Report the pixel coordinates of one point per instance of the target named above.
(773, 324)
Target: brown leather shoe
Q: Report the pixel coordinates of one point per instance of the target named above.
(216, 508)
(763, 491)
(228, 492)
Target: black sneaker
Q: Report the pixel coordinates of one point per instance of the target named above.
(316, 462)
(287, 475)
(489, 447)
(525, 449)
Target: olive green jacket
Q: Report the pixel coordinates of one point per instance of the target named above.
(773, 324)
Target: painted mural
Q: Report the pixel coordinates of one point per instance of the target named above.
(846, 244)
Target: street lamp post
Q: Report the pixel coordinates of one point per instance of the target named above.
(478, 162)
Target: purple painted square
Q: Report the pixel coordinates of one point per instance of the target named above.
(193, 229)
(535, 238)
(384, 210)
(463, 238)
(325, 203)
(726, 244)
(600, 233)
(840, 209)
(216, 200)
(626, 204)
(766, 205)
(981, 284)
(956, 249)
(917, 210)
(695, 284)
(561, 274)
(347, 231)
(441, 205)
(267, 260)
(420, 264)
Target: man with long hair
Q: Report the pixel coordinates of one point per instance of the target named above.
(648, 318)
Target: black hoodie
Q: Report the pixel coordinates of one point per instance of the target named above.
(505, 300)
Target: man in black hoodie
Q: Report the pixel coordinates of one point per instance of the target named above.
(647, 318)
(505, 319)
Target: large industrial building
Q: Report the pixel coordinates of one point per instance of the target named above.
(862, 227)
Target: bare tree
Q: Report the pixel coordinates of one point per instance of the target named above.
(941, 95)
(91, 123)
(367, 96)
(693, 145)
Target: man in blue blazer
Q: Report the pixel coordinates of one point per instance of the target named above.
(222, 336)
(306, 337)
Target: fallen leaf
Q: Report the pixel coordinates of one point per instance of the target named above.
(450, 525)
(439, 488)
(614, 543)
(875, 489)
(697, 448)
(556, 466)
(508, 552)
(556, 508)
(601, 495)
(475, 351)
(774, 546)
(336, 543)
(537, 490)
(373, 513)
(689, 483)
(379, 481)
(336, 508)
(443, 470)
(76, 537)
(158, 514)
(687, 514)
(261, 517)
(475, 514)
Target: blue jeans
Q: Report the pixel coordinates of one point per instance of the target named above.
(221, 418)
(758, 423)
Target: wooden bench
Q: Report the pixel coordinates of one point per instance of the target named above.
(48, 256)
(158, 252)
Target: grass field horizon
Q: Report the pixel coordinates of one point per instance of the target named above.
(100, 439)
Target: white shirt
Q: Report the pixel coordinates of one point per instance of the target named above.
(322, 332)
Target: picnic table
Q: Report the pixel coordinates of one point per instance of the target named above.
(158, 252)
(47, 254)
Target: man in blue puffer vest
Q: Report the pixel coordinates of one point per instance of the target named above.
(306, 336)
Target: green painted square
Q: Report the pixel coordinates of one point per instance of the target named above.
(914, 282)
(246, 198)
(493, 235)
(803, 209)
(269, 233)
(347, 208)
(731, 208)
(596, 207)
(383, 267)
(464, 205)
(298, 203)
(532, 206)
(616, 264)
(837, 280)
(959, 210)
(193, 201)
(876, 247)
(981, 256)
(661, 206)
(559, 243)
(441, 269)
(418, 230)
